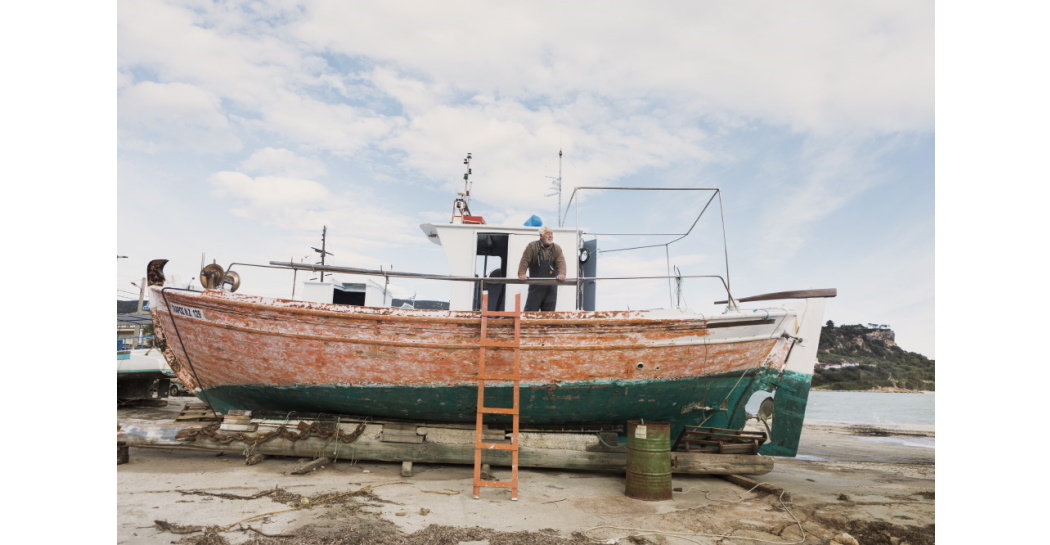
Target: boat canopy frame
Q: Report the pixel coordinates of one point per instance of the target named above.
(572, 204)
(715, 193)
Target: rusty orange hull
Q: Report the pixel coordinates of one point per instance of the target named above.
(244, 352)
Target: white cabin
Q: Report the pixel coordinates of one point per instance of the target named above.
(481, 250)
(360, 290)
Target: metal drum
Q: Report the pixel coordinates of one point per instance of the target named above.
(648, 460)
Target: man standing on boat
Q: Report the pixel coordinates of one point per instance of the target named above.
(543, 259)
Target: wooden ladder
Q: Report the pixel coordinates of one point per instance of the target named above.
(480, 444)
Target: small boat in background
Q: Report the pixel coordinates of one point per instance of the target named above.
(343, 351)
(142, 373)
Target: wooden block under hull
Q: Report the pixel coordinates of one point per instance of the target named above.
(143, 433)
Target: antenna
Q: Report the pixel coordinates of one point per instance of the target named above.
(466, 180)
(461, 206)
(556, 186)
(321, 250)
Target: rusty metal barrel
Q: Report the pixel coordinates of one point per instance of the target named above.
(648, 460)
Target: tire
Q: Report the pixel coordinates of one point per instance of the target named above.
(173, 391)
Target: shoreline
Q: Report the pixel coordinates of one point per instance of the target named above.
(878, 391)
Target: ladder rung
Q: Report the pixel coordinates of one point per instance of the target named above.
(506, 313)
(498, 410)
(499, 484)
(496, 446)
(499, 344)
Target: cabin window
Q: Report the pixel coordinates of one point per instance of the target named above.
(491, 261)
(349, 294)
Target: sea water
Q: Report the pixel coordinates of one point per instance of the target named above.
(871, 407)
(864, 407)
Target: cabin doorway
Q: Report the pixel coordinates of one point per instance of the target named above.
(490, 261)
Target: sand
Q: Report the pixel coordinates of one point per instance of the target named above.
(869, 485)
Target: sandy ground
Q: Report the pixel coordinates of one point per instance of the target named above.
(850, 484)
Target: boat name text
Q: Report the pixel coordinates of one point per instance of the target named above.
(187, 311)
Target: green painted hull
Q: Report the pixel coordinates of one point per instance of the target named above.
(713, 401)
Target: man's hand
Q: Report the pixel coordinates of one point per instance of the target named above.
(521, 277)
(561, 278)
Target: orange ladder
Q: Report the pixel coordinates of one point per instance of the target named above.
(483, 376)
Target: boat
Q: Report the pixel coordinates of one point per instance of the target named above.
(142, 373)
(343, 349)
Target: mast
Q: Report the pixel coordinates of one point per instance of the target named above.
(461, 206)
(321, 250)
(556, 185)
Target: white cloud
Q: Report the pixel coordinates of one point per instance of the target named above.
(214, 45)
(176, 115)
(313, 123)
(821, 66)
(286, 202)
(283, 162)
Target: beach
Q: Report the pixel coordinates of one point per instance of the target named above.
(851, 482)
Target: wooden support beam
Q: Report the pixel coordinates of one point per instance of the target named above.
(752, 484)
(144, 433)
(311, 466)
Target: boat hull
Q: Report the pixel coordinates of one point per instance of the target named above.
(594, 403)
(576, 368)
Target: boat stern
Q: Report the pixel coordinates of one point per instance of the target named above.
(792, 391)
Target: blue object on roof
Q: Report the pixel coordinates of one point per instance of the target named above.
(534, 221)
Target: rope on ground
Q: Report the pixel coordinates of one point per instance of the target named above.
(686, 536)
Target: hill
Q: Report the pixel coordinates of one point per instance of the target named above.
(857, 357)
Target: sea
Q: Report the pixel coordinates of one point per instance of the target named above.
(883, 408)
(872, 407)
(915, 410)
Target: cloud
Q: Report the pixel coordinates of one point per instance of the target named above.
(283, 162)
(224, 47)
(312, 123)
(156, 116)
(820, 66)
(285, 202)
(304, 206)
(515, 147)
(631, 89)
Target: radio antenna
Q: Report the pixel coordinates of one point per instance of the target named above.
(461, 207)
(556, 186)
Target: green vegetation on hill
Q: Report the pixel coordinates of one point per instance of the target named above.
(882, 365)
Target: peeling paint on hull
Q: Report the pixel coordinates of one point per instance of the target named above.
(244, 352)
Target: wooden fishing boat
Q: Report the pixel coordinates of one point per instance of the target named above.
(580, 369)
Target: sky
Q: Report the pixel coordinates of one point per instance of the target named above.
(244, 128)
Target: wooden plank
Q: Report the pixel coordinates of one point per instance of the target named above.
(396, 432)
(198, 412)
(312, 466)
(752, 484)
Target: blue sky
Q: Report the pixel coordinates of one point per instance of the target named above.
(244, 127)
